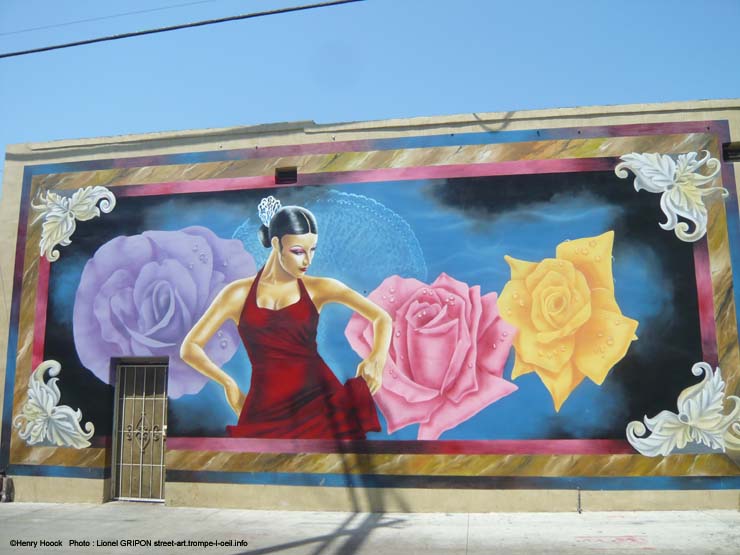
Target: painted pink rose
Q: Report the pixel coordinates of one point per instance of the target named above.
(447, 355)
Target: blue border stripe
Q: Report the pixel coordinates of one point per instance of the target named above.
(461, 482)
(57, 471)
(14, 322)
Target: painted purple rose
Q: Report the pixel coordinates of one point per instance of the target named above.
(139, 296)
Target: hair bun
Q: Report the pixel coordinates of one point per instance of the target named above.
(264, 236)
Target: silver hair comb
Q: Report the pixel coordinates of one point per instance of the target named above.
(266, 209)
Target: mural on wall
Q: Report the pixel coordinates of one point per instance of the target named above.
(395, 354)
(481, 301)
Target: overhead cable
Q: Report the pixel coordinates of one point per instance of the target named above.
(177, 27)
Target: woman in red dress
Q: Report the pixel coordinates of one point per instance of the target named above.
(293, 393)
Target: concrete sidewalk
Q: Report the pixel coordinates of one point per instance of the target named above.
(96, 528)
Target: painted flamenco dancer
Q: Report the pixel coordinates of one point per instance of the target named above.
(293, 393)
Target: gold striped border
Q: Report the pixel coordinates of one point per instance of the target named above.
(455, 465)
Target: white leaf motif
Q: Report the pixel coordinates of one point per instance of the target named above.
(41, 421)
(60, 214)
(681, 185)
(699, 419)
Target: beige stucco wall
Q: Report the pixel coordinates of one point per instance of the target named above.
(384, 500)
(35, 489)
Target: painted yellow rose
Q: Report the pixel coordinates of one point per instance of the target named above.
(570, 325)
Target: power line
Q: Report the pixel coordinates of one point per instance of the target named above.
(104, 17)
(177, 27)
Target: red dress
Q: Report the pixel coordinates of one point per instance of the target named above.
(293, 393)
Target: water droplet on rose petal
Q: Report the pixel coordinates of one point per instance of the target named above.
(516, 295)
(508, 311)
(597, 258)
(617, 323)
(522, 303)
(562, 348)
(225, 263)
(392, 290)
(600, 334)
(392, 299)
(191, 265)
(223, 343)
(610, 341)
(470, 364)
(398, 334)
(195, 247)
(220, 333)
(383, 297)
(495, 346)
(504, 334)
(424, 291)
(592, 243)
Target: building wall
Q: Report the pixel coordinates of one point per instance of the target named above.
(559, 283)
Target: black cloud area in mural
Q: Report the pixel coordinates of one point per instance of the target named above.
(657, 366)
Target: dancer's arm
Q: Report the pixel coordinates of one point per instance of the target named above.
(226, 306)
(326, 291)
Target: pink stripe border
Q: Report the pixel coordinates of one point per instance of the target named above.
(457, 447)
(39, 322)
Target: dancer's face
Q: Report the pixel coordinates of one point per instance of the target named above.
(295, 252)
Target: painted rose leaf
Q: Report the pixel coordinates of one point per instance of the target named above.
(570, 325)
(447, 354)
(140, 295)
(43, 421)
(699, 419)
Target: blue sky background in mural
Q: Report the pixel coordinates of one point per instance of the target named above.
(469, 244)
(368, 60)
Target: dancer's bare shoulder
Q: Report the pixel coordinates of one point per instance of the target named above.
(324, 290)
(232, 297)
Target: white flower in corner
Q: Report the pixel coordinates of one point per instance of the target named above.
(41, 421)
(699, 419)
(682, 186)
(60, 214)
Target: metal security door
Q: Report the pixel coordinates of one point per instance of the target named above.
(140, 432)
